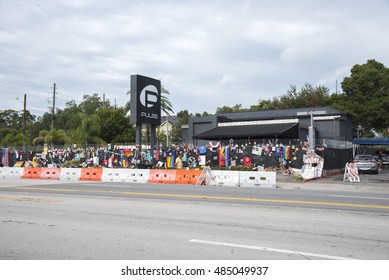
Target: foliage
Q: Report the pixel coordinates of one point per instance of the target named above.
(366, 96)
(307, 96)
(204, 114)
(69, 118)
(43, 123)
(183, 118)
(14, 127)
(88, 131)
(54, 136)
(234, 109)
(14, 119)
(126, 136)
(166, 105)
(91, 104)
(115, 126)
(15, 139)
(263, 105)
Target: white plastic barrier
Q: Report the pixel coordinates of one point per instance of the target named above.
(11, 172)
(223, 178)
(257, 179)
(70, 174)
(351, 173)
(115, 175)
(139, 175)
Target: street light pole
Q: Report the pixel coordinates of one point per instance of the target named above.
(167, 131)
(24, 121)
(311, 131)
(311, 134)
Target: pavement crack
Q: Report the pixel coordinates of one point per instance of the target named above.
(12, 221)
(27, 223)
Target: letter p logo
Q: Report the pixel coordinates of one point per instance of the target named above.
(149, 96)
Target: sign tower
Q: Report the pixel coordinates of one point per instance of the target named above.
(145, 106)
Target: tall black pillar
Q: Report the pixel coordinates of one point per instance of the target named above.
(138, 134)
(153, 138)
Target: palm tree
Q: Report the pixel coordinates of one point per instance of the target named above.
(166, 105)
(53, 136)
(88, 130)
(13, 140)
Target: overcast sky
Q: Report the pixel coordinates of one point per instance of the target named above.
(208, 54)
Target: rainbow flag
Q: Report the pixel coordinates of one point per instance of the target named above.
(221, 156)
(170, 159)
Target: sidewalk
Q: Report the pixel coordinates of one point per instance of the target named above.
(368, 183)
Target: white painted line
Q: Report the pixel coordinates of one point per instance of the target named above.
(283, 251)
(363, 197)
(118, 185)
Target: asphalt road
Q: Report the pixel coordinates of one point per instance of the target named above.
(95, 220)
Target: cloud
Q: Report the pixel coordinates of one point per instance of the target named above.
(208, 54)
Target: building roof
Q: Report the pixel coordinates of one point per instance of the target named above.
(277, 114)
(171, 119)
(281, 130)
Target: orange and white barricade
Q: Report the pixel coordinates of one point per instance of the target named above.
(351, 173)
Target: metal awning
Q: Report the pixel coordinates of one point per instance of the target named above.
(279, 130)
(371, 141)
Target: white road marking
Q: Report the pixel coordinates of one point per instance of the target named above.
(363, 197)
(283, 251)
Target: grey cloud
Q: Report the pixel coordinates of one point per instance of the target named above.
(207, 54)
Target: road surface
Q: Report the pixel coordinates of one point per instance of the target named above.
(96, 220)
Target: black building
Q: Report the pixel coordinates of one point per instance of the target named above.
(279, 126)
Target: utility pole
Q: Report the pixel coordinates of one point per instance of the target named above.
(24, 113)
(53, 109)
(24, 121)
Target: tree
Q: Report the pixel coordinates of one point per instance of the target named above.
(88, 131)
(225, 109)
(15, 119)
(52, 136)
(68, 118)
(263, 105)
(15, 127)
(15, 139)
(203, 114)
(183, 118)
(166, 105)
(8, 123)
(115, 126)
(308, 96)
(90, 104)
(366, 96)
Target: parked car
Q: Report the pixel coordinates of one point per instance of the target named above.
(366, 163)
(385, 159)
